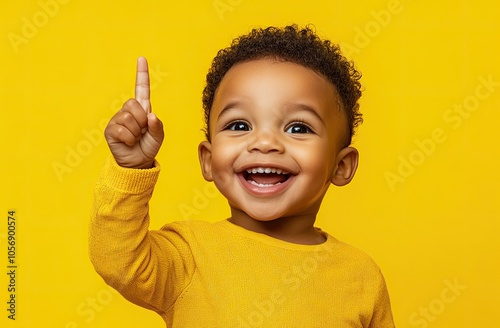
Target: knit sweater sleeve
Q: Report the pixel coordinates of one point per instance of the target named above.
(382, 315)
(149, 268)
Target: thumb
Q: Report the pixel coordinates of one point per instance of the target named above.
(155, 128)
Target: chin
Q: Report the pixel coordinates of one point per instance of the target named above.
(264, 218)
(262, 215)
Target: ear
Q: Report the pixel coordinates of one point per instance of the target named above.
(205, 157)
(346, 167)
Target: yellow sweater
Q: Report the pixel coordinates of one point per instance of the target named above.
(201, 274)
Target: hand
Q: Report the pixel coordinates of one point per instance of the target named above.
(134, 134)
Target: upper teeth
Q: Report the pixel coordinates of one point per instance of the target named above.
(266, 170)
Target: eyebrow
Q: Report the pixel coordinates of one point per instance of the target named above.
(228, 107)
(303, 107)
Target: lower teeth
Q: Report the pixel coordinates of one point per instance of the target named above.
(263, 184)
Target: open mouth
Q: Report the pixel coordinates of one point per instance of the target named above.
(265, 176)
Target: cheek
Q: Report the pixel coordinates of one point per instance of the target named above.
(311, 154)
(223, 158)
(222, 153)
(316, 159)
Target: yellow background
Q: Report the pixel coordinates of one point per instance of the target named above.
(424, 203)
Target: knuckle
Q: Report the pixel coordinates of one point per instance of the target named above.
(111, 130)
(121, 132)
(127, 117)
(119, 129)
(130, 103)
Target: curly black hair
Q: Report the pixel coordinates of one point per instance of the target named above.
(300, 46)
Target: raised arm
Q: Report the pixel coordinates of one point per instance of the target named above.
(150, 268)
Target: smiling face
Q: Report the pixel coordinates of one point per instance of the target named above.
(277, 131)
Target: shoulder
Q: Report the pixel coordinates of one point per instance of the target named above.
(353, 260)
(356, 269)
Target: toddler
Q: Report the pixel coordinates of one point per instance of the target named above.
(281, 107)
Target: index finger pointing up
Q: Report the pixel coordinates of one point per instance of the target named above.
(142, 84)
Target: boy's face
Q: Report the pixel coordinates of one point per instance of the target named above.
(277, 131)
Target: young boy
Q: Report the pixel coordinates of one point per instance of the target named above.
(280, 110)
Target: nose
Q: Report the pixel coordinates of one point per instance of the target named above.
(265, 141)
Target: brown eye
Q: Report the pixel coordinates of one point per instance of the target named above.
(298, 128)
(237, 126)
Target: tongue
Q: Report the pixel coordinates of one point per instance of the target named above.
(266, 178)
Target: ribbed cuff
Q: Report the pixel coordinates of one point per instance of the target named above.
(134, 181)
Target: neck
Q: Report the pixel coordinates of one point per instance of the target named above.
(294, 229)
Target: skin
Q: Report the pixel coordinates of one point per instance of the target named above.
(257, 110)
(266, 113)
(134, 134)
